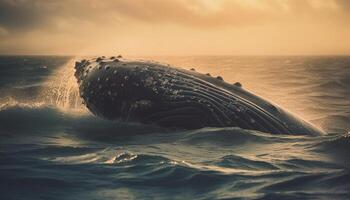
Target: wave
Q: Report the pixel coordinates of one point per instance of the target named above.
(50, 142)
(337, 147)
(335, 123)
(22, 119)
(231, 175)
(214, 163)
(332, 85)
(330, 185)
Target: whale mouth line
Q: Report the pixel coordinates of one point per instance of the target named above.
(150, 92)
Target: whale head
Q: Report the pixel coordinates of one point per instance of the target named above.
(118, 88)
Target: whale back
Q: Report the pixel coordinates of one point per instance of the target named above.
(150, 92)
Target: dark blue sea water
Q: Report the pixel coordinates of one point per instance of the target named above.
(51, 147)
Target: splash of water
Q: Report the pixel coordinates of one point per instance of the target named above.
(62, 90)
(8, 101)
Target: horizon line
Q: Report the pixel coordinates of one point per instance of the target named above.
(183, 55)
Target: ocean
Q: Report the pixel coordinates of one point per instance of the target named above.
(52, 147)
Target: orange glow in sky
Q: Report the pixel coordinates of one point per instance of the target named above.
(175, 27)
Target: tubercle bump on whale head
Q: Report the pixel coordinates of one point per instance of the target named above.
(80, 69)
(111, 86)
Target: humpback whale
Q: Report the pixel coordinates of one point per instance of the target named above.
(153, 93)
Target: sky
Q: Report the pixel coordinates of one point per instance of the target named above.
(175, 27)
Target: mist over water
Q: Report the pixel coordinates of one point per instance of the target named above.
(51, 147)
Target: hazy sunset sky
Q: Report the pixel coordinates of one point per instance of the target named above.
(175, 27)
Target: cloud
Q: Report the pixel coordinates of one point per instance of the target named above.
(163, 23)
(22, 14)
(191, 13)
(35, 14)
(345, 4)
